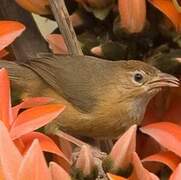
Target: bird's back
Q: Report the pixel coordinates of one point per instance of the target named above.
(79, 79)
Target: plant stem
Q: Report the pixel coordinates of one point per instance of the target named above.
(65, 26)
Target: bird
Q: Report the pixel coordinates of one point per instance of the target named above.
(102, 98)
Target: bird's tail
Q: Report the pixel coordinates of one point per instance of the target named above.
(15, 71)
(24, 81)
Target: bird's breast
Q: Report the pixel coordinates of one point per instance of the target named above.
(106, 120)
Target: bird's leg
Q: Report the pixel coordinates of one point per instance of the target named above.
(98, 155)
(104, 145)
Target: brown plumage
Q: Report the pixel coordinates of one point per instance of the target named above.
(102, 98)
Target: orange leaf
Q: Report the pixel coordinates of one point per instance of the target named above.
(33, 165)
(5, 100)
(167, 134)
(30, 102)
(3, 53)
(57, 44)
(139, 172)
(58, 173)
(34, 118)
(121, 153)
(176, 175)
(38, 6)
(168, 158)
(114, 177)
(167, 7)
(10, 157)
(9, 31)
(46, 143)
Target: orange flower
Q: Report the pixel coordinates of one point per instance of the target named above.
(9, 31)
(36, 6)
(132, 15)
(30, 166)
(171, 9)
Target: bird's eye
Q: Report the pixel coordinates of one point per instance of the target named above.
(138, 77)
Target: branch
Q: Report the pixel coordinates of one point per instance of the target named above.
(65, 26)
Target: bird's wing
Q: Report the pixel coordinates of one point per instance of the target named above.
(79, 79)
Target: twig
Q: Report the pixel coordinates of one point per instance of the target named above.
(65, 26)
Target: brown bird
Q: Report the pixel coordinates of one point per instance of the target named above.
(103, 98)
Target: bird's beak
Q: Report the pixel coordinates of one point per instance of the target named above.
(163, 80)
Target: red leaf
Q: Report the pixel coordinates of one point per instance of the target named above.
(10, 157)
(139, 172)
(9, 31)
(58, 173)
(57, 44)
(33, 165)
(167, 134)
(46, 143)
(30, 102)
(168, 158)
(5, 100)
(176, 175)
(34, 118)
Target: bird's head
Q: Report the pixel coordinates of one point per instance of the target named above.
(138, 83)
(143, 80)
